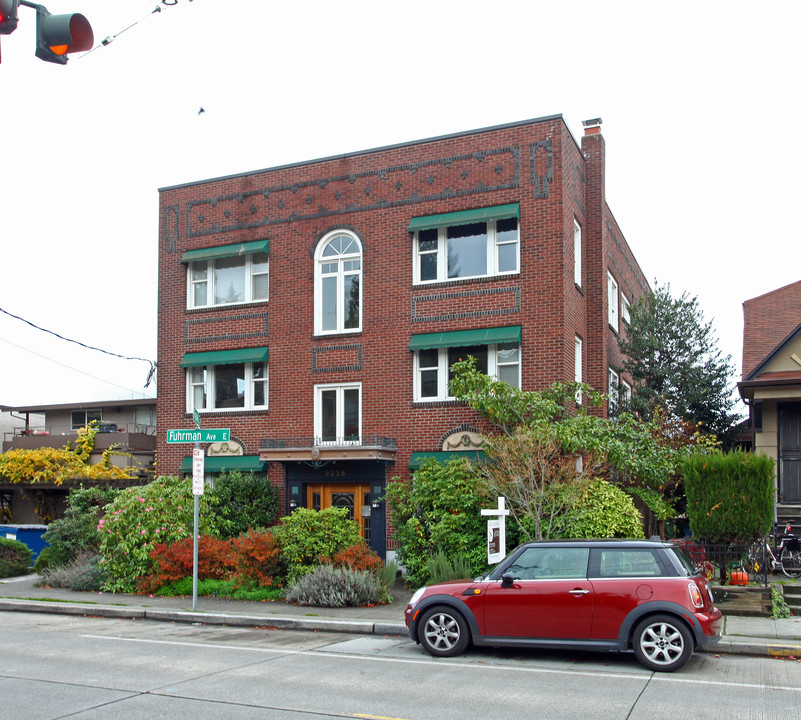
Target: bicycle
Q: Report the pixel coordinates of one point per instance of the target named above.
(762, 560)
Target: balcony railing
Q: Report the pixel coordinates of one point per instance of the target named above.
(321, 449)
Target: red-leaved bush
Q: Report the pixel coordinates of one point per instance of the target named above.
(358, 557)
(258, 558)
(215, 561)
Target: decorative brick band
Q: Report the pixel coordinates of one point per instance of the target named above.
(541, 167)
(452, 305)
(390, 187)
(257, 323)
(345, 358)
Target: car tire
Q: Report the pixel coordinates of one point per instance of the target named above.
(443, 632)
(662, 643)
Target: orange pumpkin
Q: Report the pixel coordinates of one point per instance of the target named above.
(738, 577)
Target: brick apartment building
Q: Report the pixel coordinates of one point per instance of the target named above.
(314, 308)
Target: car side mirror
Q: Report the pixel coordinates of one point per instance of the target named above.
(507, 580)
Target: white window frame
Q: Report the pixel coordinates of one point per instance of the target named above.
(625, 315)
(494, 243)
(208, 384)
(613, 301)
(576, 252)
(251, 270)
(578, 360)
(625, 391)
(344, 268)
(614, 384)
(340, 389)
(493, 366)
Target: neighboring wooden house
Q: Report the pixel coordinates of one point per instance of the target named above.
(771, 387)
(128, 426)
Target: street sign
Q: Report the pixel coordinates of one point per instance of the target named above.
(196, 418)
(203, 436)
(198, 471)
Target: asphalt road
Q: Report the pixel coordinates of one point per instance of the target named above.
(54, 666)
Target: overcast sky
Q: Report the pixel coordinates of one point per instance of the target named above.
(698, 101)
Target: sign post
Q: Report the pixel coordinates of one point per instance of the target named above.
(496, 532)
(197, 436)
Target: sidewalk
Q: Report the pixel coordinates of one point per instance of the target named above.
(742, 635)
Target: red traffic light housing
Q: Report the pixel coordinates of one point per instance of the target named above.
(8, 16)
(59, 35)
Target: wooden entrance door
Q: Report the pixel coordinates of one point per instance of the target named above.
(353, 497)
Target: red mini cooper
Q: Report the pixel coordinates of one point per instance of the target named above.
(614, 595)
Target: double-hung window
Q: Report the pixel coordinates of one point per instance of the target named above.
(337, 413)
(226, 380)
(496, 351)
(227, 274)
(614, 392)
(468, 244)
(577, 252)
(613, 301)
(338, 284)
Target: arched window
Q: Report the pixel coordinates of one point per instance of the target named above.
(338, 284)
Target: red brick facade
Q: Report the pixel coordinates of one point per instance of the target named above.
(375, 195)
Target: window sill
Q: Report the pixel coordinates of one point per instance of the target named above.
(216, 308)
(464, 281)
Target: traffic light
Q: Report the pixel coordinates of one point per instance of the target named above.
(59, 35)
(8, 16)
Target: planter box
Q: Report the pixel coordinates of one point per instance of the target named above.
(746, 601)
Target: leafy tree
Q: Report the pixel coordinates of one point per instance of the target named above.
(538, 444)
(674, 359)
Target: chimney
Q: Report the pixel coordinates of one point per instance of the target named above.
(592, 127)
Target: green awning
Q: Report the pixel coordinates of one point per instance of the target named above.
(463, 217)
(418, 458)
(461, 338)
(224, 357)
(244, 463)
(260, 246)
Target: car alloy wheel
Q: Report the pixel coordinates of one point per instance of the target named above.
(443, 632)
(662, 643)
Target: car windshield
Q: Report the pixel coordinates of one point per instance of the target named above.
(684, 562)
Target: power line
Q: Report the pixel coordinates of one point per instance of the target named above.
(69, 367)
(110, 38)
(151, 374)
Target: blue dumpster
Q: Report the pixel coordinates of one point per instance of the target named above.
(30, 535)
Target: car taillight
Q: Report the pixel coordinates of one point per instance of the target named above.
(695, 595)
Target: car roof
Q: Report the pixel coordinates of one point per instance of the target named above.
(598, 542)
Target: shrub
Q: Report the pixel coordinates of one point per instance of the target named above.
(246, 500)
(359, 557)
(327, 586)
(259, 559)
(308, 537)
(439, 509)
(600, 509)
(15, 558)
(83, 573)
(76, 533)
(729, 496)
(222, 588)
(142, 517)
(175, 561)
(441, 569)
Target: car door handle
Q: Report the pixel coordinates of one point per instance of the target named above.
(578, 591)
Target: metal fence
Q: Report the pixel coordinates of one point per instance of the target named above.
(723, 564)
